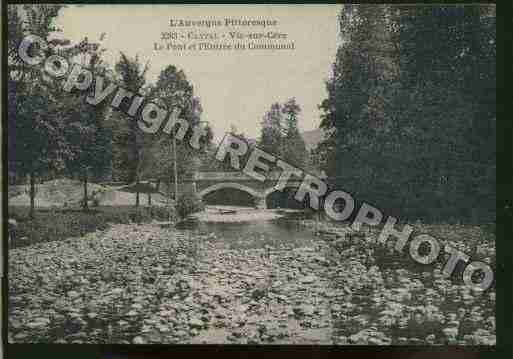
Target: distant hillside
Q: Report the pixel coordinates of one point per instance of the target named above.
(312, 138)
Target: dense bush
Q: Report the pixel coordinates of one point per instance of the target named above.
(187, 204)
(162, 213)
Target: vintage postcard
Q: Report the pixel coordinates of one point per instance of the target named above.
(251, 174)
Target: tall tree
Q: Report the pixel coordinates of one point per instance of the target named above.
(129, 138)
(36, 141)
(293, 146)
(272, 130)
(405, 129)
(174, 92)
(226, 165)
(455, 72)
(361, 73)
(88, 134)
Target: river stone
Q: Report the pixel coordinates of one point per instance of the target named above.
(308, 279)
(243, 308)
(306, 309)
(38, 322)
(322, 260)
(138, 340)
(163, 328)
(196, 323)
(258, 294)
(73, 294)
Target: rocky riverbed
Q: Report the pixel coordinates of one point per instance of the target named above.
(146, 284)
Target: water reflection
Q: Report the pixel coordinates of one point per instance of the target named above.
(281, 233)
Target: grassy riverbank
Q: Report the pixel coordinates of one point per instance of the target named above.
(60, 223)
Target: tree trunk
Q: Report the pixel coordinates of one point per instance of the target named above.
(137, 192)
(169, 197)
(85, 206)
(149, 199)
(175, 170)
(32, 194)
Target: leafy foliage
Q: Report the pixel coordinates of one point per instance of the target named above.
(280, 134)
(174, 91)
(128, 139)
(50, 130)
(187, 204)
(411, 110)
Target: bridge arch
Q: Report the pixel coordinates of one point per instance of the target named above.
(240, 187)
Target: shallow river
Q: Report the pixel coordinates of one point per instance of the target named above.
(249, 228)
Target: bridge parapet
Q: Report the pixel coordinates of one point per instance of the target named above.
(221, 176)
(232, 176)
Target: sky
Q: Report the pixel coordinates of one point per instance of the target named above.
(235, 87)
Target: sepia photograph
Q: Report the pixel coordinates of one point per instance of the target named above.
(251, 174)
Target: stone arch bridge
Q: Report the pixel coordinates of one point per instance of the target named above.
(204, 183)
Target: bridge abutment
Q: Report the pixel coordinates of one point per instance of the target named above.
(260, 203)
